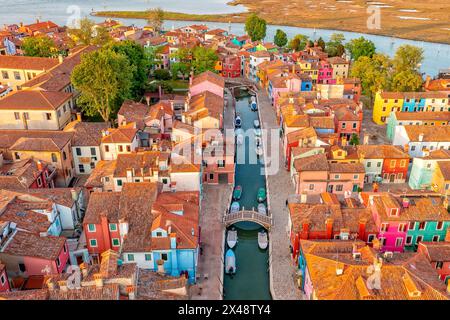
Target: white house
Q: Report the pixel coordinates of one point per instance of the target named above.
(420, 140)
(123, 139)
(255, 59)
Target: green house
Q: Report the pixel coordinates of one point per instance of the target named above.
(427, 231)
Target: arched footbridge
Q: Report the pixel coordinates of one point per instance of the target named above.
(247, 215)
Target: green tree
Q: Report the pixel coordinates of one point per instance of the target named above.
(374, 72)
(255, 27)
(152, 57)
(407, 62)
(204, 59)
(104, 80)
(180, 68)
(89, 34)
(360, 47)
(155, 19)
(354, 140)
(299, 42)
(137, 59)
(41, 46)
(280, 38)
(335, 47)
(321, 43)
(162, 74)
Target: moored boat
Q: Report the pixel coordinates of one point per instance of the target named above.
(256, 123)
(261, 196)
(232, 238)
(238, 122)
(262, 208)
(235, 207)
(259, 151)
(263, 240)
(237, 193)
(230, 262)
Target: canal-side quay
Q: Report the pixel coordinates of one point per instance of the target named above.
(282, 271)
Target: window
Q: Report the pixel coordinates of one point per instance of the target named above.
(382, 241)
(398, 242)
(81, 168)
(384, 226)
(22, 267)
(65, 249)
(5, 75)
(159, 234)
(419, 239)
(128, 149)
(112, 227)
(211, 176)
(355, 176)
(93, 152)
(422, 225)
(413, 148)
(17, 75)
(369, 164)
(64, 108)
(26, 116)
(119, 182)
(339, 187)
(311, 187)
(58, 262)
(120, 148)
(164, 256)
(148, 257)
(370, 238)
(435, 239)
(164, 181)
(64, 155)
(106, 148)
(402, 163)
(402, 227)
(78, 151)
(115, 242)
(343, 125)
(2, 279)
(392, 163)
(439, 264)
(54, 158)
(412, 225)
(400, 176)
(394, 212)
(39, 182)
(220, 163)
(17, 155)
(91, 227)
(336, 177)
(439, 225)
(17, 115)
(354, 125)
(408, 240)
(130, 257)
(379, 164)
(57, 112)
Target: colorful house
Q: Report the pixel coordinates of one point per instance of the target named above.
(385, 103)
(4, 281)
(347, 122)
(231, 66)
(426, 118)
(325, 73)
(207, 81)
(441, 178)
(423, 169)
(340, 67)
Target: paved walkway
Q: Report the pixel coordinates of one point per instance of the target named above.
(283, 276)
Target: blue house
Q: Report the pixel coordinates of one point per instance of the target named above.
(307, 83)
(413, 102)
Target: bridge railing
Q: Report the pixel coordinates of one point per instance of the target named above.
(248, 215)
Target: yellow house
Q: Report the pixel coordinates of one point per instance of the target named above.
(267, 68)
(311, 69)
(385, 103)
(342, 155)
(440, 181)
(16, 70)
(35, 110)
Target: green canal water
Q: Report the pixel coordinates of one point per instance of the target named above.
(251, 280)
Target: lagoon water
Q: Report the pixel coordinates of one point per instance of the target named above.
(437, 56)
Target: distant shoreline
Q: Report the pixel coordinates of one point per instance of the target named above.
(240, 18)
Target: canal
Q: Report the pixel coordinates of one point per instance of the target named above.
(251, 280)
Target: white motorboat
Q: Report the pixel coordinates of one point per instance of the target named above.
(230, 262)
(263, 240)
(256, 124)
(238, 122)
(257, 132)
(232, 238)
(253, 98)
(262, 208)
(259, 151)
(235, 207)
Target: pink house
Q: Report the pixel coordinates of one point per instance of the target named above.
(290, 83)
(392, 227)
(27, 254)
(207, 81)
(325, 75)
(4, 282)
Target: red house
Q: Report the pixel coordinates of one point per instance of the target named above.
(329, 220)
(348, 121)
(395, 170)
(438, 253)
(27, 174)
(4, 282)
(231, 66)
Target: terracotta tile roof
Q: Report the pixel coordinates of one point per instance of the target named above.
(39, 294)
(444, 167)
(143, 163)
(337, 60)
(107, 292)
(86, 134)
(381, 152)
(30, 245)
(301, 134)
(34, 100)
(60, 196)
(438, 85)
(27, 63)
(321, 122)
(134, 112)
(35, 144)
(391, 95)
(102, 203)
(346, 114)
(122, 134)
(205, 104)
(346, 168)
(437, 251)
(54, 139)
(155, 286)
(426, 115)
(430, 133)
(260, 54)
(316, 162)
(102, 169)
(408, 276)
(19, 175)
(210, 77)
(438, 154)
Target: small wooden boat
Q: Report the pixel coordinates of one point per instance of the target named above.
(230, 262)
(254, 106)
(263, 240)
(256, 124)
(232, 238)
(235, 207)
(262, 208)
(237, 193)
(261, 196)
(259, 151)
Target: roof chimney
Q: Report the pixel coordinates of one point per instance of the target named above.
(79, 116)
(421, 137)
(98, 280)
(339, 268)
(366, 138)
